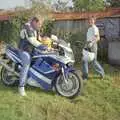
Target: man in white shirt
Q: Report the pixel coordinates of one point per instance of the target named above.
(92, 39)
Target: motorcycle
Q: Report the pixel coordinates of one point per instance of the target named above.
(51, 70)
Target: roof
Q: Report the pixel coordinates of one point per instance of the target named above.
(6, 15)
(85, 15)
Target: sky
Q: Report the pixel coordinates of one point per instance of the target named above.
(8, 4)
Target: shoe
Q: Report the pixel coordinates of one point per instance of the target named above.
(22, 91)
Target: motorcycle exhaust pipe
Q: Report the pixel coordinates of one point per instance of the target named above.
(10, 69)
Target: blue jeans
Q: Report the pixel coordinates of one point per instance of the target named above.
(98, 68)
(26, 60)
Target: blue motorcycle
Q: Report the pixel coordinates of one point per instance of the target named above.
(49, 70)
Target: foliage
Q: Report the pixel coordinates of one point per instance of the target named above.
(40, 8)
(102, 52)
(60, 5)
(88, 5)
(114, 3)
(77, 41)
(10, 29)
(47, 27)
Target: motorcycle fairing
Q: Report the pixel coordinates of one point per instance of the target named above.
(41, 79)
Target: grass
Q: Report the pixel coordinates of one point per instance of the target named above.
(100, 101)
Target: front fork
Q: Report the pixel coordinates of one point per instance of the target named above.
(65, 73)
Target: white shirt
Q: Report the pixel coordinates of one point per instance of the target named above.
(91, 34)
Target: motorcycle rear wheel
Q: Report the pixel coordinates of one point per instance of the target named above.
(70, 90)
(8, 78)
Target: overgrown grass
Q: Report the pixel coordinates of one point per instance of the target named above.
(100, 101)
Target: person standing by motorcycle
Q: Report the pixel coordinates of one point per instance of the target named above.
(30, 38)
(91, 44)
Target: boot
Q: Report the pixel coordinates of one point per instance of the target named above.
(22, 91)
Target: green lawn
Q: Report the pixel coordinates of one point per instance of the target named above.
(100, 101)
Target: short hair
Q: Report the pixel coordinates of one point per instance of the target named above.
(92, 17)
(35, 19)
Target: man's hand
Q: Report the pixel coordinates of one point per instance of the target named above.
(97, 38)
(39, 38)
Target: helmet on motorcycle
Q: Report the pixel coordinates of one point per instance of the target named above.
(88, 56)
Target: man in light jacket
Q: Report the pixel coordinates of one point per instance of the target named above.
(30, 38)
(93, 37)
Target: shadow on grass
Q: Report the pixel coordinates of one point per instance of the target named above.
(14, 89)
(39, 90)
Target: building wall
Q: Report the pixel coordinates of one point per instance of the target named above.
(109, 31)
(109, 27)
(114, 53)
(71, 26)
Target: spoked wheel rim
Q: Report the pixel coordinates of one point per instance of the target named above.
(71, 88)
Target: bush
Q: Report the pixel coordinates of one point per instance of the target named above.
(10, 30)
(103, 51)
(47, 27)
(77, 41)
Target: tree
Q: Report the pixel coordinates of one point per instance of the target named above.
(10, 30)
(61, 5)
(114, 3)
(89, 5)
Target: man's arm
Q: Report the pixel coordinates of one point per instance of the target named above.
(97, 35)
(29, 35)
(33, 40)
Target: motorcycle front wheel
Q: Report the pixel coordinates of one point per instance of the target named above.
(72, 88)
